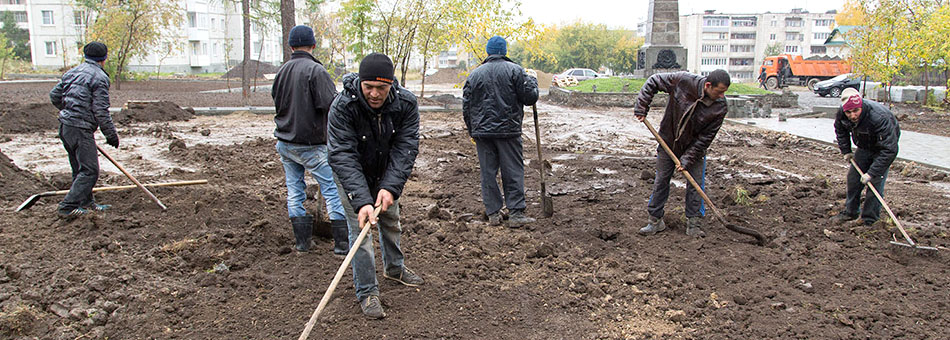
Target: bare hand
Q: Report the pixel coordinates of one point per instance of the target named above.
(366, 212)
(641, 118)
(384, 199)
(680, 168)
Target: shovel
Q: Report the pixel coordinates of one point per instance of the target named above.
(547, 204)
(127, 174)
(910, 243)
(760, 240)
(336, 278)
(34, 198)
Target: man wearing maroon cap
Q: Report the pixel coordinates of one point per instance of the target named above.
(874, 130)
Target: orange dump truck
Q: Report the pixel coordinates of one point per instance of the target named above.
(786, 69)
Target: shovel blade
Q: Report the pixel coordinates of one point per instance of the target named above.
(547, 206)
(28, 203)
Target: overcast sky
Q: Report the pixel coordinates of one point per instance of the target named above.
(627, 13)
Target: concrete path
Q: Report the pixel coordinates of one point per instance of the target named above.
(917, 147)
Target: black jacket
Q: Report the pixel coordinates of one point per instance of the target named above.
(82, 97)
(372, 149)
(876, 131)
(686, 90)
(494, 97)
(302, 92)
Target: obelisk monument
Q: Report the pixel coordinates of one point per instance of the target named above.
(661, 52)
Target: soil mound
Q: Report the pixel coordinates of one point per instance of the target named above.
(17, 184)
(446, 76)
(255, 68)
(160, 111)
(25, 118)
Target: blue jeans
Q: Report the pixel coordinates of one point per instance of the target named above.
(364, 261)
(312, 158)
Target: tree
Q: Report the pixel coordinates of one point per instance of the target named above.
(286, 23)
(773, 49)
(875, 50)
(328, 33)
(355, 19)
(246, 23)
(471, 23)
(6, 52)
(431, 37)
(129, 28)
(623, 58)
(19, 38)
(853, 14)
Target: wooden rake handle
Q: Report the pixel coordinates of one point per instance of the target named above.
(886, 207)
(127, 174)
(339, 274)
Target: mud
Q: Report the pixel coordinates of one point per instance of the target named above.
(218, 263)
(31, 117)
(161, 111)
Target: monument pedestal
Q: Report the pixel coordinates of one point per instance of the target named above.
(660, 59)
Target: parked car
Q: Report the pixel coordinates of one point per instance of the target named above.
(834, 86)
(579, 74)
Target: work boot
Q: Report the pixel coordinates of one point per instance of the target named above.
(843, 217)
(303, 229)
(495, 219)
(518, 219)
(694, 227)
(654, 225)
(404, 276)
(99, 207)
(372, 308)
(71, 213)
(341, 241)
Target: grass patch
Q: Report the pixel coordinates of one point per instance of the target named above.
(615, 84)
(742, 196)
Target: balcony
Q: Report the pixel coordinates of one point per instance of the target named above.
(199, 61)
(198, 34)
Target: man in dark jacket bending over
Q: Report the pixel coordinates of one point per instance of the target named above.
(374, 140)
(302, 92)
(493, 101)
(875, 131)
(694, 114)
(82, 97)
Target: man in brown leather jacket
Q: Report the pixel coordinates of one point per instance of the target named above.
(693, 116)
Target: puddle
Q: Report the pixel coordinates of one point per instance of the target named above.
(604, 171)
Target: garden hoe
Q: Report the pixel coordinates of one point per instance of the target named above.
(34, 198)
(339, 274)
(547, 204)
(760, 240)
(910, 243)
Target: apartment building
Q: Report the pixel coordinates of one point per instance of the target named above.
(209, 39)
(738, 42)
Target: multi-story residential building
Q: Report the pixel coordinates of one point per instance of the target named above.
(209, 39)
(738, 42)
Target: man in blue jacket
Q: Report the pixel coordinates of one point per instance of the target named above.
(493, 101)
(374, 141)
(302, 92)
(82, 97)
(876, 133)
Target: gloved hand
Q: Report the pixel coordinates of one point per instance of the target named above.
(531, 73)
(848, 157)
(114, 141)
(865, 178)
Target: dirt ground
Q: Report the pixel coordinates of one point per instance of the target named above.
(217, 264)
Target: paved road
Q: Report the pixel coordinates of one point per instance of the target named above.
(914, 146)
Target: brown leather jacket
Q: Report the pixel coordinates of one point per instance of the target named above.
(699, 130)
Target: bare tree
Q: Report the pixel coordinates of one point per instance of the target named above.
(286, 23)
(245, 82)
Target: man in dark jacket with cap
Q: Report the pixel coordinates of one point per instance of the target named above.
(694, 114)
(82, 97)
(302, 92)
(374, 140)
(493, 101)
(876, 133)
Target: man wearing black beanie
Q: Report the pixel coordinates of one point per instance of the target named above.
(374, 140)
(302, 92)
(82, 97)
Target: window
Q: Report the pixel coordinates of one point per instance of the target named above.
(743, 22)
(192, 19)
(19, 16)
(714, 48)
(577, 73)
(794, 36)
(715, 21)
(47, 17)
(742, 48)
(715, 35)
(589, 73)
(13, 2)
(824, 22)
(791, 49)
(794, 22)
(772, 36)
(740, 61)
(50, 48)
(79, 18)
(195, 48)
(204, 48)
(750, 35)
(213, 24)
(822, 36)
(819, 50)
(713, 61)
(774, 23)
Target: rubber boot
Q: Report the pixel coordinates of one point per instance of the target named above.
(303, 229)
(340, 237)
(694, 227)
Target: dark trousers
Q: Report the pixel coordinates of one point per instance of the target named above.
(665, 168)
(872, 206)
(503, 154)
(80, 145)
